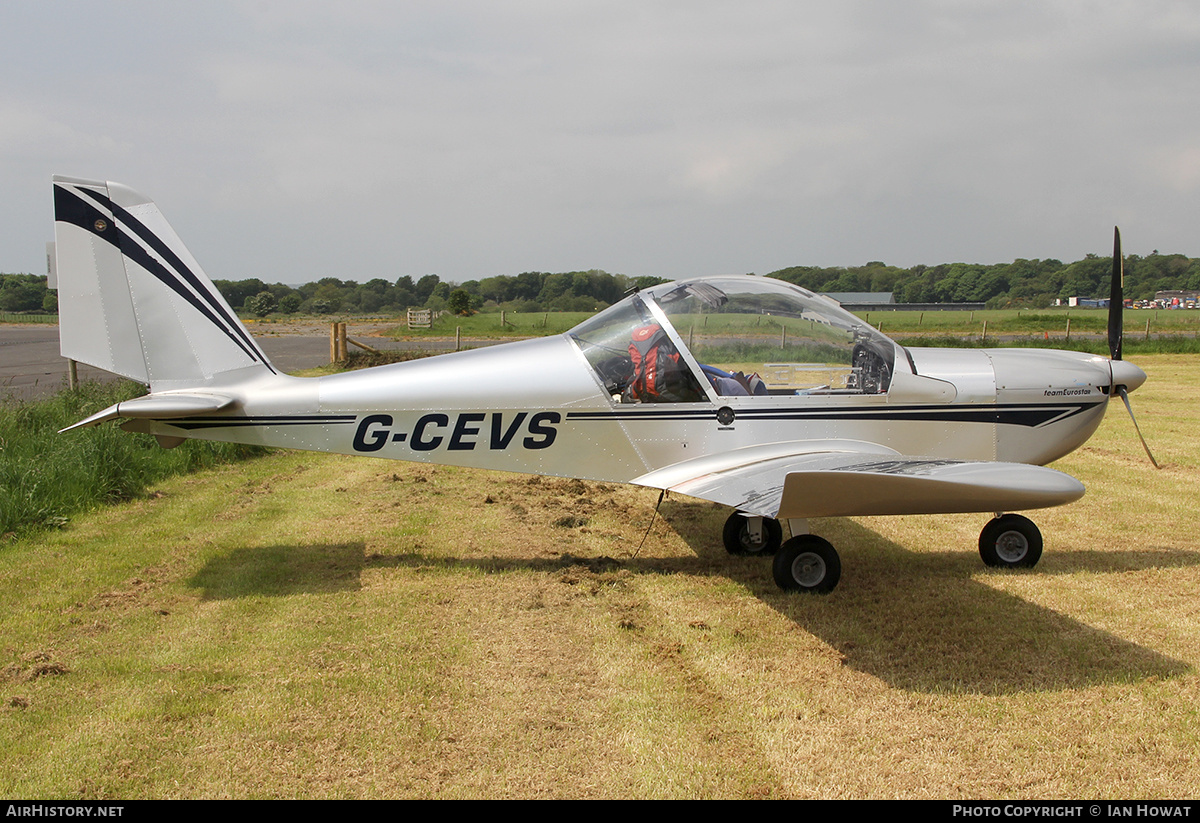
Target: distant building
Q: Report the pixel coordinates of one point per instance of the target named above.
(1172, 299)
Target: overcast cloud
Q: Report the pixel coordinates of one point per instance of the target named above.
(293, 141)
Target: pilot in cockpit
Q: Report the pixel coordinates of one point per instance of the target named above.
(660, 374)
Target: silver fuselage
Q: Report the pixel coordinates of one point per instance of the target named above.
(535, 406)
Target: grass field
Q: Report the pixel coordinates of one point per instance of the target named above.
(46, 479)
(899, 324)
(316, 626)
(1033, 321)
(495, 325)
(9, 317)
(1146, 331)
(902, 323)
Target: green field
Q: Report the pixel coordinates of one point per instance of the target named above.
(900, 324)
(46, 479)
(495, 324)
(306, 625)
(9, 317)
(1153, 331)
(1033, 322)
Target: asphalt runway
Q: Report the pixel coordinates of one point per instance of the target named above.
(31, 367)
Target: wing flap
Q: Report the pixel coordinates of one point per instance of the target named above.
(751, 478)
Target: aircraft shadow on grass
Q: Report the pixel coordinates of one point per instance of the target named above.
(917, 621)
(924, 622)
(281, 570)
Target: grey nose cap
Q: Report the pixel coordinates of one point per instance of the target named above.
(1126, 374)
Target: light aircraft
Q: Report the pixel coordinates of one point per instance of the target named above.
(742, 390)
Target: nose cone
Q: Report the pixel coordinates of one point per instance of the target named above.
(1126, 374)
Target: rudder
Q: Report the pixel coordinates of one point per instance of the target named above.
(133, 300)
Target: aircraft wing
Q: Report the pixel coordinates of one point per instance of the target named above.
(850, 478)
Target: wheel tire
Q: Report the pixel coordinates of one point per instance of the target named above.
(807, 564)
(736, 536)
(1010, 542)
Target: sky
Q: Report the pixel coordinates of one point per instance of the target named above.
(299, 140)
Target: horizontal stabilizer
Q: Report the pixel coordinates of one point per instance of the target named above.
(157, 407)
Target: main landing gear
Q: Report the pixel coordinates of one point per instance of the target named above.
(1010, 541)
(752, 535)
(808, 563)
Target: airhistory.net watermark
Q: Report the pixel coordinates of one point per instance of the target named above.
(49, 810)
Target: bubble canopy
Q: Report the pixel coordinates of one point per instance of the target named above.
(721, 337)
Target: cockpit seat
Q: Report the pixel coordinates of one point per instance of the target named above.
(734, 384)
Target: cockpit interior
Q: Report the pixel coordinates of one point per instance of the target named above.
(720, 337)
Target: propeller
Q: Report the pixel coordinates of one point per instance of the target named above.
(1116, 299)
(1123, 374)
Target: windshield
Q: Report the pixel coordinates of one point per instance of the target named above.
(746, 336)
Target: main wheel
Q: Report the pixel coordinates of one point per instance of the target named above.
(1010, 541)
(737, 536)
(807, 564)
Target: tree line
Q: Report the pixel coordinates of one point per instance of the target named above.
(1033, 283)
(528, 291)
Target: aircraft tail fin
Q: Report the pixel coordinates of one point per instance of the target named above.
(133, 300)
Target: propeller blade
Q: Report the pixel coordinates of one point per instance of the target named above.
(1116, 332)
(1137, 428)
(1116, 299)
